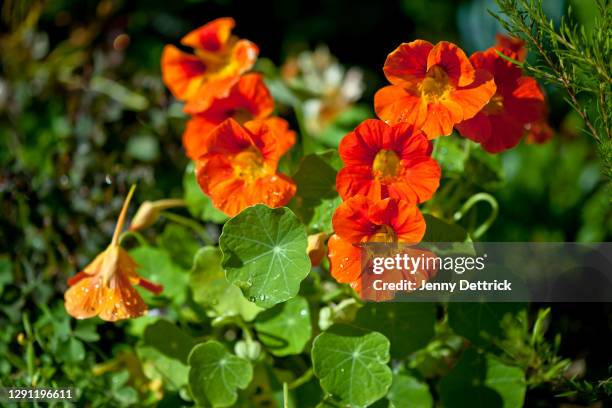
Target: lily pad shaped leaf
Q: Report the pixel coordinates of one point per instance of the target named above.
(352, 364)
(264, 254)
(211, 289)
(215, 374)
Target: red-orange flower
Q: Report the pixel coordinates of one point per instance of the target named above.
(249, 99)
(105, 287)
(517, 102)
(239, 167)
(218, 61)
(511, 46)
(387, 161)
(360, 220)
(434, 87)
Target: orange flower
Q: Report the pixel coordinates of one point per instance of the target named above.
(511, 46)
(517, 102)
(387, 161)
(239, 168)
(105, 287)
(249, 99)
(360, 220)
(218, 61)
(434, 87)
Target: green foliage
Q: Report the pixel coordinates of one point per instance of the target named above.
(215, 374)
(352, 365)
(483, 380)
(572, 57)
(212, 290)
(264, 254)
(408, 391)
(286, 328)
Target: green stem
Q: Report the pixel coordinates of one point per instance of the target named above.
(189, 223)
(285, 395)
(141, 240)
(301, 380)
(482, 228)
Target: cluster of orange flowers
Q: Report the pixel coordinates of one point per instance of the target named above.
(237, 143)
(232, 135)
(388, 165)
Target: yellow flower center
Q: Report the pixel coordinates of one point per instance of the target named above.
(385, 234)
(386, 165)
(249, 164)
(495, 105)
(436, 85)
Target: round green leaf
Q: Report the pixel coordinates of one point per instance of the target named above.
(409, 326)
(482, 380)
(215, 374)
(352, 365)
(286, 327)
(169, 340)
(264, 254)
(407, 391)
(211, 288)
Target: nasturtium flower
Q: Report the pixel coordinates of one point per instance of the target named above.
(218, 61)
(511, 46)
(249, 99)
(240, 167)
(517, 102)
(539, 131)
(387, 161)
(105, 288)
(433, 87)
(360, 220)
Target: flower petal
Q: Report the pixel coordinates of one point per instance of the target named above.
(212, 36)
(475, 96)
(407, 64)
(454, 62)
(394, 104)
(345, 260)
(182, 73)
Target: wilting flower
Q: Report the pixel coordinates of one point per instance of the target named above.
(218, 61)
(360, 220)
(105, 287)
(239, 168)
(249, 99)
(331, 88)
(517, 102)
(387, 161)
(434, 87)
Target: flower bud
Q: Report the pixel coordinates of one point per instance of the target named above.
(149, 212)
(316, 247)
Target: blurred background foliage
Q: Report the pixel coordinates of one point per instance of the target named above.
(84, 114)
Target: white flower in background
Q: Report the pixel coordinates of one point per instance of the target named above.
(329, 87)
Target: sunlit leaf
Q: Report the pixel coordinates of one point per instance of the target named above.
(407, 391)
(211, 288)
(215, 374)
(264, 254)
(352, 364)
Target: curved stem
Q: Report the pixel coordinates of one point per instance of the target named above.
(141, 240)
(189, 223)
(122, 215)
(473, 200)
